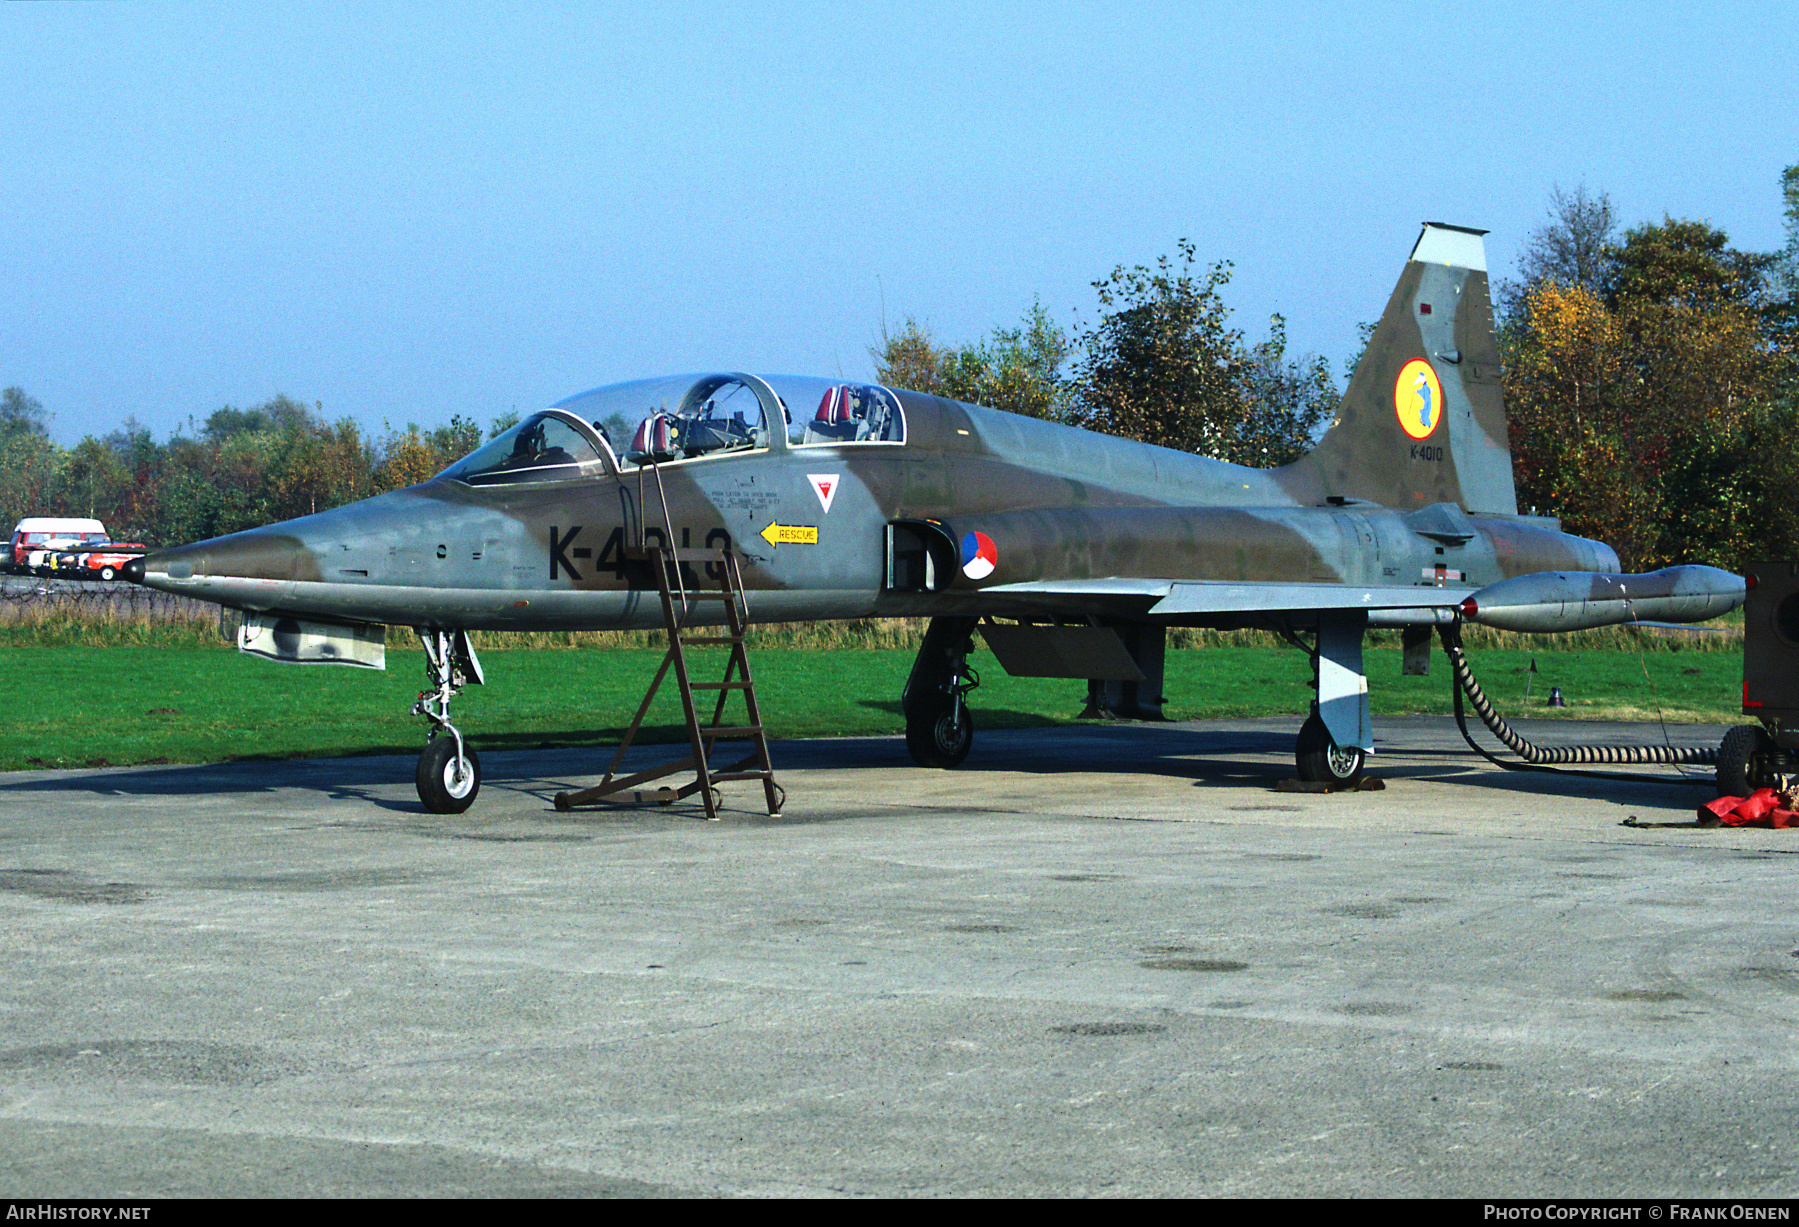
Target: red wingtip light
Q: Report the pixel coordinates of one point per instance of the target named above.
(1469, 608)
(1751, 581)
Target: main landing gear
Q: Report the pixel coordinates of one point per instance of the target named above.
(939, 727)
(449, 771)
(1321, 760)
(1333, 744)
(1334, 741)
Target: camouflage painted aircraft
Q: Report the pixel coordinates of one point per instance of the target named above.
(1070, 552)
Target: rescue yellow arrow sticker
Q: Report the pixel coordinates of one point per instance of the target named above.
(790, 534)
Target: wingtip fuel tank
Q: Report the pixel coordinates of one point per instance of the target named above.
(1551, 601)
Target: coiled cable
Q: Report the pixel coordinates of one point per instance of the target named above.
(1539, 758)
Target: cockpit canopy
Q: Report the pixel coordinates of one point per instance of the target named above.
(679, 418)
(547, 446)
(684, 417)
(718, 413)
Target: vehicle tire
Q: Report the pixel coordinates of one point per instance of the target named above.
(936, 737)
(1323, 761)
(440, 787)
(108, 574)
(1737, 774)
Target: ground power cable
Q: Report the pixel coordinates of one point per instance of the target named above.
(1549, 759)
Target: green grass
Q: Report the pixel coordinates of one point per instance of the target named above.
(67, 626)
(183, 699)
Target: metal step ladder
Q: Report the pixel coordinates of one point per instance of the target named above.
(679, 605)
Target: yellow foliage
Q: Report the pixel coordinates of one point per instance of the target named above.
(1629, 421)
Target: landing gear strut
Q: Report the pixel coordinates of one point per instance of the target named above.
(941, 732)
(1334, 742)
(939, 728)
(449, 771)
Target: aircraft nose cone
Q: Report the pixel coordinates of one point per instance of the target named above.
(133, 570)
(251, 570)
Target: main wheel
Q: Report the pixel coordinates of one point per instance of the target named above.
(1737, 771)
(940, 733)
(443, 788)
(1323, 761)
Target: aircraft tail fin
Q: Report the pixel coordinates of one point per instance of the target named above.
(1423, 420)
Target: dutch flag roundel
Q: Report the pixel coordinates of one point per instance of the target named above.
(979, 555)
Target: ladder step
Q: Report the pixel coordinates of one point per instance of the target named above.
(742, 775)
(719, 686)
(738, 639)
(732, 731)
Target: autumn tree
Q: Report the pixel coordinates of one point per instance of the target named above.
(94, 480)
(1568, 405)
(242, 468)
(1789, 255)
(1644, 407)
(407, 457)
(1285, 400)
(21, 414)
(910, 359)
(1570, 249)
(273, 461)
(31, 466)
(1016, 369)
(1682, 265)
(315, 466)
(1161, 364)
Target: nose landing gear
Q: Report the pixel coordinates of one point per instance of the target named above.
(939, 729)
(449, 771)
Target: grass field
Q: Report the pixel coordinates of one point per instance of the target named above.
(174, 694)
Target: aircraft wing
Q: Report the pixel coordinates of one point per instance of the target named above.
(1541, 602)
(1163, 598)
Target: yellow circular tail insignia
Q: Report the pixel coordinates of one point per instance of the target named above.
(1418, 398)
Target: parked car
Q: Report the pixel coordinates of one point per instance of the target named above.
(102, 560)
(36, 540)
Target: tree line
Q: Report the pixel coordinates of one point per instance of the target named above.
(1159, 363)
(239, 469)
(1651, 377)
(1652, 380)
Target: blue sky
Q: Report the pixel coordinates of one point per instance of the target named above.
(408, 211)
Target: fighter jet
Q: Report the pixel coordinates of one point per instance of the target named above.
(1069, 552)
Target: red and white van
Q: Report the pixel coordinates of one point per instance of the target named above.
(36, 540)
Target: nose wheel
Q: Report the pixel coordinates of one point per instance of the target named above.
(449, 776)
(449, 771)
(939, 730)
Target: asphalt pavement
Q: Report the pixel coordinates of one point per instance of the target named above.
(1101, 961)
